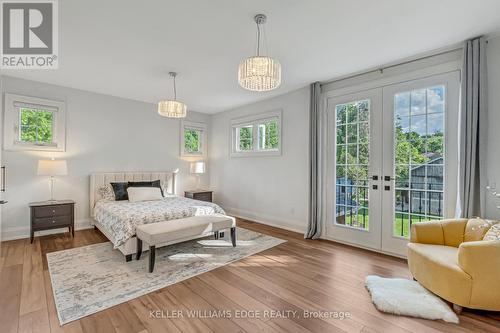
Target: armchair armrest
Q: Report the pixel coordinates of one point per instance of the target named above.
(444, 232)
(480, 258)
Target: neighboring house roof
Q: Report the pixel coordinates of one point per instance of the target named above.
(437, 160)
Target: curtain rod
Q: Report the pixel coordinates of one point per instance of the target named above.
(382, 68)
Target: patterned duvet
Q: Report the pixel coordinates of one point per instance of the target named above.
(120, 218)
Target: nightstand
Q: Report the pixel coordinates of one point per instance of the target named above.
(203, 195)
(53, 214)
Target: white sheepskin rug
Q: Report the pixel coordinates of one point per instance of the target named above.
(408, 298)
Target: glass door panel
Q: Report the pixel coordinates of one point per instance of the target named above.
(352, 159)
(418, 157)
(419, 146)
(355, 203)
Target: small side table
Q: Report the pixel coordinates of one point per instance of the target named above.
(52, 214)
(203, 195)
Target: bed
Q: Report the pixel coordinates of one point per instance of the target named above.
(117, 220)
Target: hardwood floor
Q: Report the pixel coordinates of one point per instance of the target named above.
(299, 275)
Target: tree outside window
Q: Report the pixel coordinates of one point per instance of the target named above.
(268, 135)
(245, 138)
(192, 141)
(36, 126)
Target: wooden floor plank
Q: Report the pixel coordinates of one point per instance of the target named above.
(10, 297)
(297, 275)
(34, 322)
(33, 297)
(168, 303)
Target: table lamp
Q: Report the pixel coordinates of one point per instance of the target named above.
(197, 168)
(52, 168)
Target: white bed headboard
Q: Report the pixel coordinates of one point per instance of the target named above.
(167, 178)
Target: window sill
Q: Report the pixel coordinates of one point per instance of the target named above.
(186, 154)
(256, 153)
(24, 146)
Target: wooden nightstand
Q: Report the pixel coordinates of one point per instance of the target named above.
(203, 195)
(52, 215)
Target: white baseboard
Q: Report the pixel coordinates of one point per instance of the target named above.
(362, 247)
(290, 225)
(24, 232)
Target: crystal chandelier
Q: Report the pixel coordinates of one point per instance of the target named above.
(172, 108)
(259, 73)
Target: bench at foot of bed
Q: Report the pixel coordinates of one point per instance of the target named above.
(154, 234)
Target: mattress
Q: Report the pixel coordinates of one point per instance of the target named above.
(120, 218)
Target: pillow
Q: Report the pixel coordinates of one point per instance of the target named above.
(106, 192)
(120, 190)
(153, 183)
(475, 229)
(136, 194)
(493, 234)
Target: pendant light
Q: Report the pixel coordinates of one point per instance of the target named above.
(172, 108)
(259, 73)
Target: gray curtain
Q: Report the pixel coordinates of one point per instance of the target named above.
(314, 225)
(473, 124)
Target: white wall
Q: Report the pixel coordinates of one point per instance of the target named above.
(273, 189)
(104, 133)
(493, 164)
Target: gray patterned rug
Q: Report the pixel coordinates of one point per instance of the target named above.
(89, 279)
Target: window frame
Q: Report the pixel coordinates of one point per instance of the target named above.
(12, 125)
(255, 121)
(189, 125)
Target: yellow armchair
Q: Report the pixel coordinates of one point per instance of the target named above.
(449, 258)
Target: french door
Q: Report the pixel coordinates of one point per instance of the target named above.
(392, 161)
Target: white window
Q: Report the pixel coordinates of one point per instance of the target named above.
(258, 135)
(193, 139)
(34, 124)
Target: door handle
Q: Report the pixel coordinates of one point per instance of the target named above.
(374, 177)
(3, 179)
(389, 178)
(3, 202)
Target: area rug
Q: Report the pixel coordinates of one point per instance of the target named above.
(408, 298)
(92, 278)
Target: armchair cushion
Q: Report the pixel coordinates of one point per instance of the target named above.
(448, 232)
(436, 268)
(453, 230)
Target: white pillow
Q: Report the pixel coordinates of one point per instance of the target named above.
(136, 194)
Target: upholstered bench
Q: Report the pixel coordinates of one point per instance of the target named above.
(176, 231)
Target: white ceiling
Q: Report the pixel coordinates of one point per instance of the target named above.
(126, 48)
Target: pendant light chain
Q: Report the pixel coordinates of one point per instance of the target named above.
(175, 89)
(258, 38)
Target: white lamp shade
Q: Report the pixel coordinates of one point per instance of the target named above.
(172, 109)
(259, 73)
(52, 168)
(197, 167)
